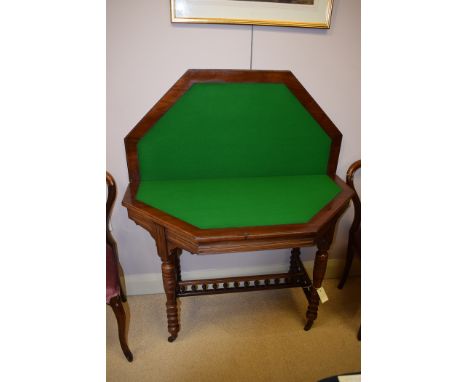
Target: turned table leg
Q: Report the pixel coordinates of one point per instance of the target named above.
(320, 266)
(169, 280)
(168, 268)
(294, 267)
(177, 252)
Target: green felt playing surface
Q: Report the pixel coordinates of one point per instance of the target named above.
(240, 202)
(234, 130)
(235, 155)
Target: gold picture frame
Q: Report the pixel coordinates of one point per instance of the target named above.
(291, 13)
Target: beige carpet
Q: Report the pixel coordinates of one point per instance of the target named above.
(256, 336)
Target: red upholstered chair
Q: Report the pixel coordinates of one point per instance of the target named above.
(115, 295)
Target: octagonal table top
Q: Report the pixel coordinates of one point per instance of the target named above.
(233, 160)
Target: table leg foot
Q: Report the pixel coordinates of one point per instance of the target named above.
(129, 356)
(172, 338)
(312, 309)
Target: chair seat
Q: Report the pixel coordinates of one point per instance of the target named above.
(112, 274)
(240, 202)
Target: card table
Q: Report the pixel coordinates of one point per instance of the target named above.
(234, 161)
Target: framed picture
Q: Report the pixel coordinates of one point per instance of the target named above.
(295, 13)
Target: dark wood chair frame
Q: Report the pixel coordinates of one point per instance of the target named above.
(354, 240)
(354, 246)
(173, 235)
(116, 301)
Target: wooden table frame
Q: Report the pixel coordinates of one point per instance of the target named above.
(173, 235)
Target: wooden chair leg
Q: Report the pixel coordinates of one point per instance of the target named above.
(123, 295)
(117, 307)
(347, 268)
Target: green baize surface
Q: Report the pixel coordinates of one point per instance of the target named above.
(236, 155)
(240, 202)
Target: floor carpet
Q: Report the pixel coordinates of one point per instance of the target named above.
(256, 336)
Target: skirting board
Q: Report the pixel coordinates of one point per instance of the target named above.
(150, 283)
